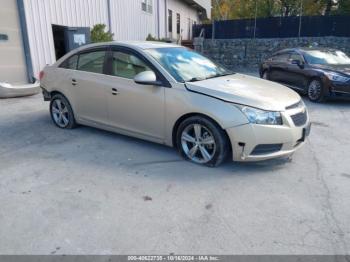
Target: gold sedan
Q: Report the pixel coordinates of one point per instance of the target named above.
(171, 95)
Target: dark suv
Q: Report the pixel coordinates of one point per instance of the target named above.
(318, 72)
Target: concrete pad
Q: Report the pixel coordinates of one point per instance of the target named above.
(87, 191)
(10, 91)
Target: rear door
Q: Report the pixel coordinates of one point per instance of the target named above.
(90, 90)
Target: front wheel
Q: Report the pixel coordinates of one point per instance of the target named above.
(315, 91)
(202, 141)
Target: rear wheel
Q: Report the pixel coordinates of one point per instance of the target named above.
(61, 112)
(202, 141)
(315, 91)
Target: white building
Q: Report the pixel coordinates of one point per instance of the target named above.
(32, 32)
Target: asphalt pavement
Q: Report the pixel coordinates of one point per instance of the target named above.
(87, 191)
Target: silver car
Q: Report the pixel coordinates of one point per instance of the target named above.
(174, 96)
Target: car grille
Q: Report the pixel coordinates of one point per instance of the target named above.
(266, 149)
(299, 119)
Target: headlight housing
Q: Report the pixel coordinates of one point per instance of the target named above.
(261, 117)
(336, 77)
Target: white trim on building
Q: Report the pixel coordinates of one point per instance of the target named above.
(129, 20)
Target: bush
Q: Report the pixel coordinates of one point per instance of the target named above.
(99, 34)
(152, 38)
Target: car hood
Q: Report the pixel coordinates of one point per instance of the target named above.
(247, 90)
(343, 69)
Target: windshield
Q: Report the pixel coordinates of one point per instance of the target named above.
(327, 57)
(185, 65)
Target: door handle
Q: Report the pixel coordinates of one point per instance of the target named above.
(115, 91)
(74, 82)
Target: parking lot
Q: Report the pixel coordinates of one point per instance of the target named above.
(87, 191)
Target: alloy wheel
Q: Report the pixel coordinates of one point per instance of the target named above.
(198, 143)
(315, 90)
(60, 113)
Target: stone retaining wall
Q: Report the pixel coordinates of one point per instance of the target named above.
(236, 53)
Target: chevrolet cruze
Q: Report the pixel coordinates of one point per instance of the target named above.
(174, 96)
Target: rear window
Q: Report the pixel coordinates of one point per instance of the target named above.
(92, 62)
(70, 63)
(280, 57)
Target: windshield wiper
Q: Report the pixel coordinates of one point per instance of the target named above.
(219, 75)
(196, 79)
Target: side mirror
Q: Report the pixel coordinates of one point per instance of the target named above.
(298, 63)
(147, 78)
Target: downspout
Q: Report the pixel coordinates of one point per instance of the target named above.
(109, 15)
(158, 19)
(25, 40)
(166, 18)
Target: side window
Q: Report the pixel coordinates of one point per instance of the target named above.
(295, 56)
(70, 63)
(92, 62)
(127, 65)
(282, 58)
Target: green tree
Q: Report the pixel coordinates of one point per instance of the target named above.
(313, 7)
(239, 9)
(343, 7)
(267, 8)
(150, 37)
(99, 34)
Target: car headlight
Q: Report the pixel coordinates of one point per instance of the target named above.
(336, 77)
(262, 117)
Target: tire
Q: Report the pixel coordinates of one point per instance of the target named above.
(316, 91)
(61, 112)
(202, 141)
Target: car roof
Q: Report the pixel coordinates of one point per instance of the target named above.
(136, 45)
(132, 44)
(304, 49)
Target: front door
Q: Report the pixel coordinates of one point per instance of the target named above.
(296, 73)
(278, 67)
(135, 108)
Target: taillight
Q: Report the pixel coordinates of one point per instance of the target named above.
(41, 75)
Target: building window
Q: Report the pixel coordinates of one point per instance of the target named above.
(178, 24)
(147, 6)
(170, 21)
(150, 6)
(4, 37)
